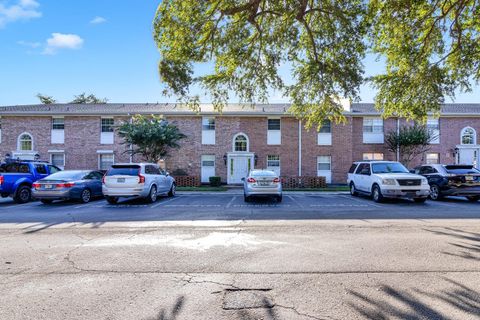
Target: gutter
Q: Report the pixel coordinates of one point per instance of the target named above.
(299, 148)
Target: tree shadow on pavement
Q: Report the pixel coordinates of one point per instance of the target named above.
(466, 246)
(400, 304)
(171, 314)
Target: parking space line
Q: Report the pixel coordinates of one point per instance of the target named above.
(86, 205)
(361, 201)
(295, 201)
(230, 203)
(163, 202)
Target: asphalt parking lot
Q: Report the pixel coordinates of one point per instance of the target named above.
(230, 206)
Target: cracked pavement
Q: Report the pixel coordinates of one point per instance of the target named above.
(241, 269)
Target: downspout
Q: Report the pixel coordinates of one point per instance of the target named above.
(398, 133)
(131, 146)
(299, 148)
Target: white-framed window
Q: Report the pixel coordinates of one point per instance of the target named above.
(324, 167)
(373, 130)
(25, 142)
(58, 130)
(372, 156)
(324, 136)
(432, 158)
(106, 130)
(274, 132)
(105, 161)
(58, 160)
(208, 130)
(273, 163)
(240, 143)
(433, 127)
(468, 136)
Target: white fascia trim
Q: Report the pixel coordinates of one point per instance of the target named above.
(56, 151)
(104, 151)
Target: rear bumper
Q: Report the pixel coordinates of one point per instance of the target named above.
(51, 195)
(125, 192)
(263, 191)
(465, 191)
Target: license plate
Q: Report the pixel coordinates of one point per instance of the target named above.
(121, 180)
(48, 186)
(264, 183)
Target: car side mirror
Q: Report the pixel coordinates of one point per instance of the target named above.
(412, 170)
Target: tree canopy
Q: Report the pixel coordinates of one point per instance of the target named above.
(44, 99)
(430, 48)
(83, 98)
(152, 137)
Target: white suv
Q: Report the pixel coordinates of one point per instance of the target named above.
(386, 179)
(145, 180)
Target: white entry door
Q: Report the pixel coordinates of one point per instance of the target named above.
(468, 156)
(324, 167)
(208, 167)
(238, 168)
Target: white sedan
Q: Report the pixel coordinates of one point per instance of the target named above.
(262, 183)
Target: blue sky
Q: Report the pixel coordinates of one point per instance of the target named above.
(64, 47)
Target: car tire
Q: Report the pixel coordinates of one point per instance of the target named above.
(246, 198)
(353, 190)
(111, 200)
(46, 201)
(23, 194)
(435, 194)
(377, 194)
(279, 199)
(172, 191)
(419, 200)
(473, 198)
(152, 195)
(85, 196)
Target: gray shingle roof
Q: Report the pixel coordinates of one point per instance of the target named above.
(172, 108)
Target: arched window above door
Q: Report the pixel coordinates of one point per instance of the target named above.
(240, 143)
(468, 136)
(25, 142)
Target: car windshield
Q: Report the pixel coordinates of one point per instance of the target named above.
(389, 167)
(67, 175)
(461, 170)
(263, 174)
(123, 171)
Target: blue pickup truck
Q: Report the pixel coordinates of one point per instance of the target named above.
(16, 178)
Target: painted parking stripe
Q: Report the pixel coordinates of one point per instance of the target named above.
(340, 205)
(193, 205)
(260, 205)
(230, 203)
(295, 201)
(163, 202)
(361, 201)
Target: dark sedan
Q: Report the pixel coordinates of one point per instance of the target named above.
(451, 180)
(82, 185)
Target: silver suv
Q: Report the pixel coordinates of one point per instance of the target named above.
(145, 180)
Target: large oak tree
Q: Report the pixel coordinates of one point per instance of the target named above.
(431, 49)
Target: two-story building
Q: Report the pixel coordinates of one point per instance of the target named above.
(81, 136)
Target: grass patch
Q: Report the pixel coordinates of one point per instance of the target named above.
(327, 189)
(202, 188)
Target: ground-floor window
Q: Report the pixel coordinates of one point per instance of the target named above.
(58, 160)
(432, 158)
(105, 161)
(373, 156)
(273, 163)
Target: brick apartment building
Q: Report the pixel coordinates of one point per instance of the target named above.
(229, 144)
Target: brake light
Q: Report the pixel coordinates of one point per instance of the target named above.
(141, 179)
(251, 180)
(65, 185)
(276, 180)
(1, 179)
(36, 185)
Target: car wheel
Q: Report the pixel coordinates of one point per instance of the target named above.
(435, 192)
(46, 201)
(173, 190)
(111, 200)
(473, 198)
(23, 195)
(279, 198)
(419, 200)
(377, 194)
(85, 196)
(246, 198)
(353, 190)
(152, 196)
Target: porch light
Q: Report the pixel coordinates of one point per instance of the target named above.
(225, 158)
(36, 157)
(255, 157)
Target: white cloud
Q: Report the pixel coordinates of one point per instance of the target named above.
(22, 10)
(98, 20)
(29, 44)
(62, 41)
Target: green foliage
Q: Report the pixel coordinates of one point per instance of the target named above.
(410, 141)
(248, 41)
(215, 181)
(44, 99)
(431, 49)
(150, 136)
(83, 98)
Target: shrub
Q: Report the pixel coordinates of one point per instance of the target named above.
(215, 181)
(179, 172)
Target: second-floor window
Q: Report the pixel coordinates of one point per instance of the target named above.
(373, 130)
(324, 136)
(107, 128)
(433, 128)
(274, 131)
(107, 125)
(58, 127)
(208, 130)
(58, 124)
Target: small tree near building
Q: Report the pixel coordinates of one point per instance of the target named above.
(44, 99)
(410, 141)
(152, 137)
(83, 98)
